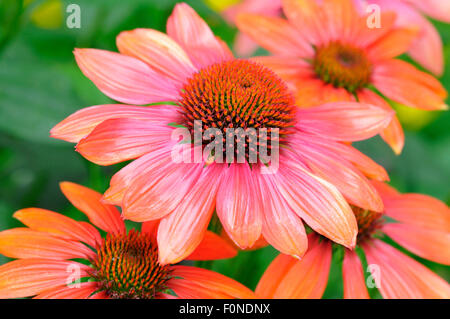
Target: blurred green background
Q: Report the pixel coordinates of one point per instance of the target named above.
(40, 85)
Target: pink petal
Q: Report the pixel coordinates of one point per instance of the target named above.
(187, 28)
(125, 78)
(159, 51)
(239, 205)
(180, 233)
(403, 277)
(344, 121)
(118, 140)
(82, 123)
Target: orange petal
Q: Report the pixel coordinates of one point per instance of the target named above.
(58, 225)
(403, 83)
(212, 247)
(393, 133)
(105, 217)
(159, 51)
(427, 243)
(419, 210)
(394, 43)
(385, 190)
(308, 277)
(27, 243)
(354, 281)
(198, 283)
(275, 34)
(401, 276)
(83, 291)
(29, 277)
(273, 276)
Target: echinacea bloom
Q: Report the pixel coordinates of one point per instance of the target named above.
(120, 265)
(418, 222)
(328, 52)
(196, 71)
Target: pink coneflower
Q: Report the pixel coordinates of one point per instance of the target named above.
(120, 265)
(328, 52)
(196, 70)
(421, 224)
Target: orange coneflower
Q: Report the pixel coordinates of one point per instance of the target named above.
(329, 52)
(421, 224)
(58, 257)
(196, 70)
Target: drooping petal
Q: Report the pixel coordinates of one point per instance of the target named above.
(28, 243)
(354, 281)
(239, 205)
(159, 187)
(118, 140)
(436, 9)
(393, 133)
(180, 233)
(317, 202)
(187, 28)
(330, 166)
(58, 225)
(402, 82)
(159, 51)
(427, 243)
(281, 226)
(213, 247)
(88, 201)
(81, 123)
(308, 277)
(124, 78)
(401, 276)
(275, 34)
(344, 121)
(81, 291)
(29, 277)
(418, 210)
(198, 283)
(273, 276)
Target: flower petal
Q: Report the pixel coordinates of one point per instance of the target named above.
(58, 225)
(393, 133)
(29, 277)
(82, 123)
(275, 35)
(159, 51)
(187, 28)
(198, 283)
(401, 276)
(124, 78)
(308, 277)
(83, 291)
(212, 247)
(344, 121)
(354, 281)
(239, 205)
(118, 140)
(393, 44)
(180, 233)
(105, 217)
(427, 243)
(402, 82)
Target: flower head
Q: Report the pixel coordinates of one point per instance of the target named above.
(419, 223)
(310, 179)
(120, 265)
(328, 51)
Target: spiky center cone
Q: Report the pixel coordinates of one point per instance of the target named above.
(238, 94)
(127, 266)
(343, 66)
(369, 223)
